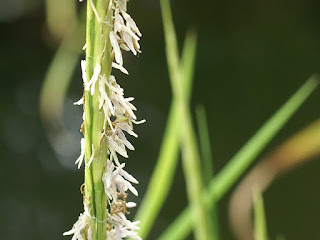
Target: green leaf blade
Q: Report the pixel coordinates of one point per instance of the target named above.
(218, 186)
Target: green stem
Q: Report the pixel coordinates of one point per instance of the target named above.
(162, 176)
(190, 153)
(207, 166)
(98, 51)
(260, 226)
(218, 186)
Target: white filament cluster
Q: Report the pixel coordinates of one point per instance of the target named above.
(82, 223)
(116, 183)
(125, 34)
(119, 118)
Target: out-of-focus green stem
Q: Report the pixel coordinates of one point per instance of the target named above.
(260, 230)
(218, 186)
(207, 165)
(98, 51)
(61, 17)
(190, 153)
(163, 173)
(56, 83)
(204, 143)
(59, 74)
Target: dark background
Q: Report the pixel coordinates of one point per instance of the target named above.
(252, 55)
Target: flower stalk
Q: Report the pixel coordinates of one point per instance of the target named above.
(94, 197)
(107, 115)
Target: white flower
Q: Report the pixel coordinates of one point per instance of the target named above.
(116, 105)
(120, 232)
(121, 68)
(116, 145)
(79, 226)
(125, 34)
(123, 228)
(116, 47)
(128, 31)
(93, 79)
(119, 117)
(116, 180)
(105, 103)
(118, 21)
(121, 218)
(126, 127)
(130, 23)
(121, 104)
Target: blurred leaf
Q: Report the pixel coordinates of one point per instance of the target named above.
(188, 62)
(218, 186)
(299, 148)
(162, 177)
(204, 143)
(59, 74)
(61, 17)
(190, 153)
(207, 167)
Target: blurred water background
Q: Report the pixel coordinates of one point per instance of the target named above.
(251, 56)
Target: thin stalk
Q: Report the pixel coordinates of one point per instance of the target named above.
(207, 165)
(260, 229)
(164, 170)
(97, 52)
(218, 186)
(59, 74)
(60, 12)
(190, 153)
(204, 143)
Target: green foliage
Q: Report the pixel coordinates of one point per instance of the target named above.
(202, 200)
(219, 185)
(164, 171)
(181, 76)
(207, 167)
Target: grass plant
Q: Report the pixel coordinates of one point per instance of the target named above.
(103, 120)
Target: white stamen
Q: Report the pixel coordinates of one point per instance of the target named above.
(121, 68)
(131, 204)
(94, 78)
(116, 48)
(81, 157)
(138, 122)
(79, 102)
(131, 23)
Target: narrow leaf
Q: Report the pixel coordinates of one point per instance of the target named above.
(190, 153)
(163, 173)
(218, 186)
(207, 164)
